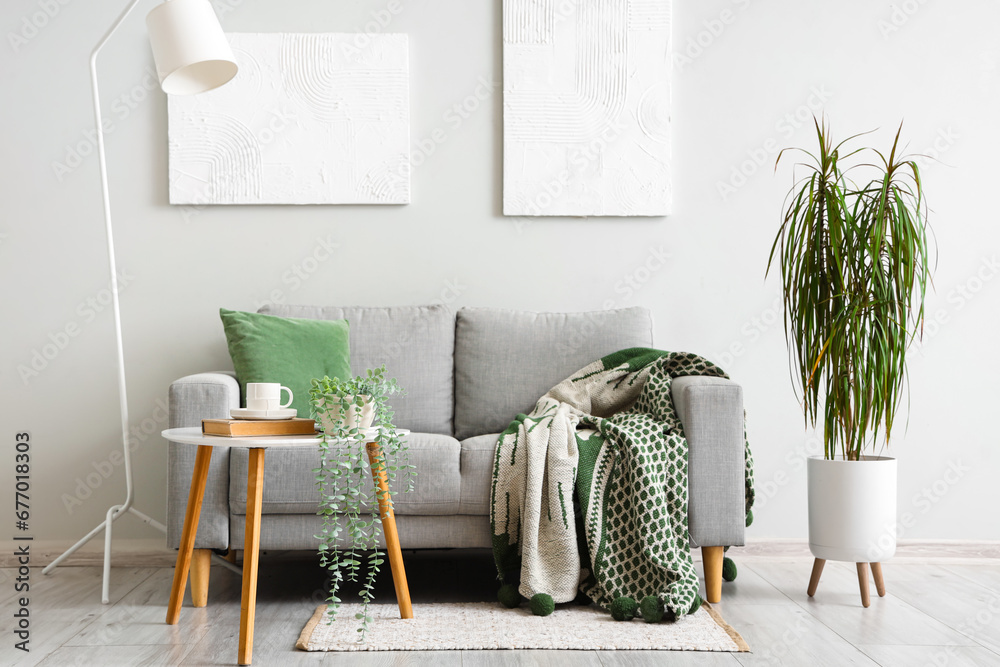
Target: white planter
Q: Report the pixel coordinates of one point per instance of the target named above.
(352, 419)
(852, 509)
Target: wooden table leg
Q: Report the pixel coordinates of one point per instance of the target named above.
(863, 583)
(251, 551)
(191, 517)
(388, 517)
(879, 581)
(814, 577)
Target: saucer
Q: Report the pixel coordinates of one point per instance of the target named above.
(244, 413)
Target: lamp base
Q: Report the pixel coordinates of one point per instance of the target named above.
(113, 514)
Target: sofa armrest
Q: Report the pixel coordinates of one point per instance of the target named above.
(191, 399)
(711, 410)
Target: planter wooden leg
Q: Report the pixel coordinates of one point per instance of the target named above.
(201, 565)
(863, 583)
(814, 577)
(879, 581)
(712, 562)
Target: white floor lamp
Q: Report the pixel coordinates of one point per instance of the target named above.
(192, 56)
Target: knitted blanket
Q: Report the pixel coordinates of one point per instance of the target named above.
(590, 490)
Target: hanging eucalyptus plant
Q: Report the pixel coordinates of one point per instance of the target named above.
(854, 269)
(348, 494)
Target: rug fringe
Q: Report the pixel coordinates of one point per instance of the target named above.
(730, 630)
(303, 641)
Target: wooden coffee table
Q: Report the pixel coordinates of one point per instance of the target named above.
(255, 494)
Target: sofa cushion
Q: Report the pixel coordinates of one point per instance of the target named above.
(505, 360)
(477, 474)
(416, 344)
(290, 484)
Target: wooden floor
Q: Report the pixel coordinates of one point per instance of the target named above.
(936, 613)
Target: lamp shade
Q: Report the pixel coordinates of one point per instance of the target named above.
(191, 52)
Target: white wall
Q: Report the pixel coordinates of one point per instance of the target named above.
(736, 98)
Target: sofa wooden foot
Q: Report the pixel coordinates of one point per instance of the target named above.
(201, 562)
(712, 561)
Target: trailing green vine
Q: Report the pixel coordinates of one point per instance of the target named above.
(345, 482)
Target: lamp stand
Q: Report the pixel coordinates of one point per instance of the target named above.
(116, 511)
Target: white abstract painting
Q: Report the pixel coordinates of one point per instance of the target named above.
(586, 98)
(309, 119)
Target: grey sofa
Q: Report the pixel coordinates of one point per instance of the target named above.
(467, 374)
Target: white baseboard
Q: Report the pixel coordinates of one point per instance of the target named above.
(936, 550)
(150, 552)
(154, 552)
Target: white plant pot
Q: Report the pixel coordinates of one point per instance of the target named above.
(852, 509)
(329, 420)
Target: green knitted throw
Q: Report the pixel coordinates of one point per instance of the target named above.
(606, 444)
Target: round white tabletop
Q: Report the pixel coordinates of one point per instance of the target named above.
(193, 436)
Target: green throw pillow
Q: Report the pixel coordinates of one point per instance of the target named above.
(288, 350)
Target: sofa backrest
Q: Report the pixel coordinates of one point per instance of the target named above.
(505, 360)
(416, 344)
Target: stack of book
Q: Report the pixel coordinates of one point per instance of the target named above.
(241, 428)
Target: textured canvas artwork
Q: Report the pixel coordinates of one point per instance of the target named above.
(309, 119)
(586, 100)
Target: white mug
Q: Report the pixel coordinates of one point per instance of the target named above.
(266, 396)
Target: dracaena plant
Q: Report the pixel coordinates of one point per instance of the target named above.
(348, 493)
(854, 261)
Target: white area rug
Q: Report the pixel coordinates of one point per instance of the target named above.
(486, 625)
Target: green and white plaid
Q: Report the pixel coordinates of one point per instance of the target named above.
(603, 450)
